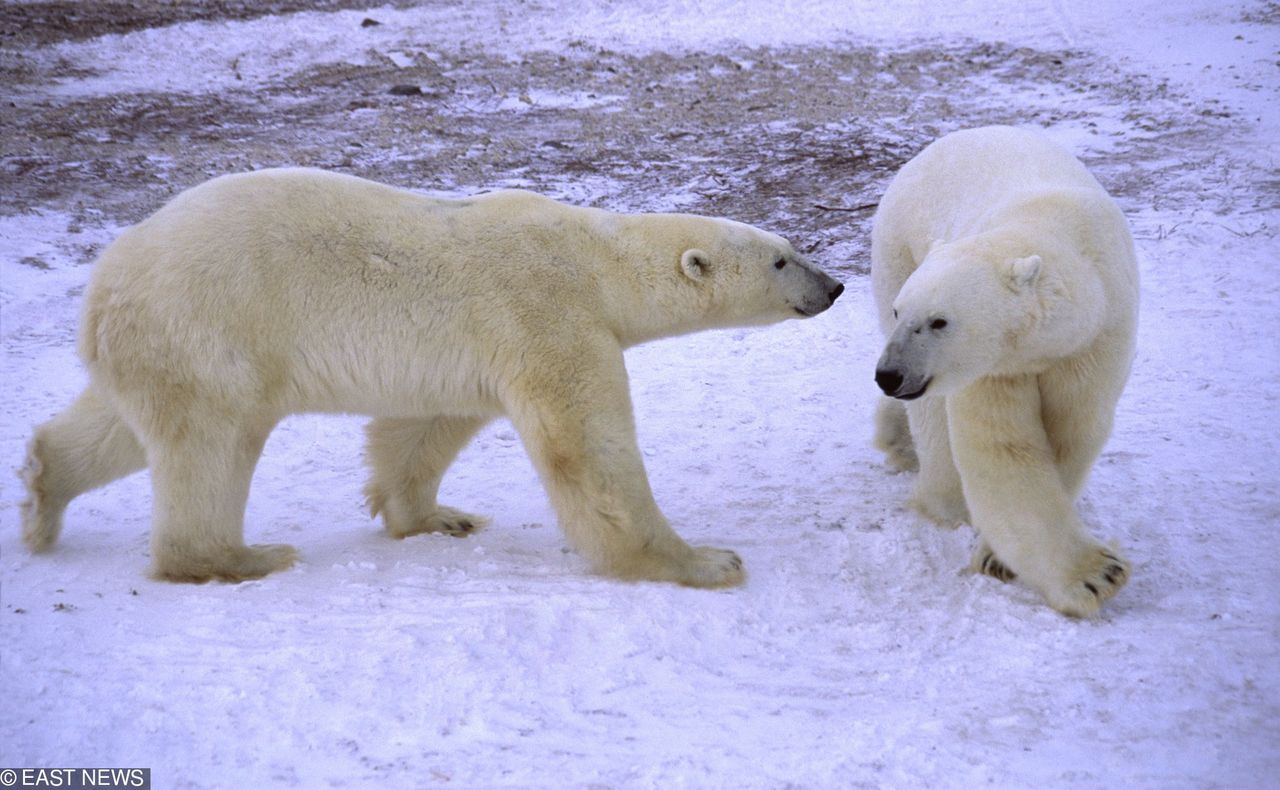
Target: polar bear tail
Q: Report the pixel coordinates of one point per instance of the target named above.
(84, 447)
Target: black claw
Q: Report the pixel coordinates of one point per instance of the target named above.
(1110, 579)
(1111, 556)
(1088, 586)
(997, 569)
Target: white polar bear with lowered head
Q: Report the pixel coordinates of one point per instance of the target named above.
(1007, 287)
(255, 296)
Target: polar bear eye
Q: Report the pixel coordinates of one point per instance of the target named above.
(778, 264)
(937, 324)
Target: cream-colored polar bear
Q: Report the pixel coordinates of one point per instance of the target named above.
(256, 296)
(1007, 287)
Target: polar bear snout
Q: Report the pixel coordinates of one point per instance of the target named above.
(902, 371)
(895, 385)
(889, 381)
(822, 304)
(819, 293)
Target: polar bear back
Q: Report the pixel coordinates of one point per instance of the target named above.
(976, 167)
(348, 293)
(955, 185)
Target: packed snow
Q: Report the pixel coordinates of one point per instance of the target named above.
(859, 653)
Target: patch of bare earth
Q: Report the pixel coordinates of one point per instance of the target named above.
(799, 141)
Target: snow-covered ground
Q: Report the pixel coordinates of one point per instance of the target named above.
(858, 653)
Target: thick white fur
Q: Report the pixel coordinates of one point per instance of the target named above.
(255, 296)
(1007, 287)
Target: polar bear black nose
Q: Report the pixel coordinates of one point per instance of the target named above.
(889, 380)
(835, 292)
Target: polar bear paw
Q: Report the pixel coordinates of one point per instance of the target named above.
(235, 564)
(691, 566)
(945, 510)
(712, 568)
(41, 518)
(445, 520)
(1097, 575)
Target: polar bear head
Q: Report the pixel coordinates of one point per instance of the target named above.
(676, 273)
(967, 312)
(742, 275)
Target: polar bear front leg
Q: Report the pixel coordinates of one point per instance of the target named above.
(893, 435)
(409, 457)
(200, 474)
(938, 494)
(1016, 496)
(575, 418)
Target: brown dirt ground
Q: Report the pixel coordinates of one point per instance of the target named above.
(799, 141)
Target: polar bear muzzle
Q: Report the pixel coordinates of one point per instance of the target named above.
(905, 369)
(809, 291)
(895, 385)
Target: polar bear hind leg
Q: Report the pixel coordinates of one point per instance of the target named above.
(409, 457)
(200, 473)
(86, 446)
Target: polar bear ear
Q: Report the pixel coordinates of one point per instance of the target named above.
(1023, 272)
(695, 264)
